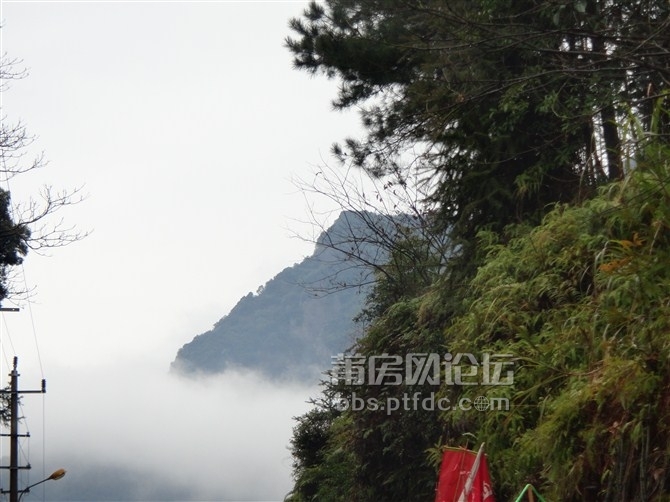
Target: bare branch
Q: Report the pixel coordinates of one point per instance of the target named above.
(36, 224)
(377, 217)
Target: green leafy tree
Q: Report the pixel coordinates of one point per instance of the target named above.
(581, 302)
(541, 129)
(13, 238)
(506, 106)
(371, 452)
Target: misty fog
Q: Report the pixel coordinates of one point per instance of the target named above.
(135, 432)
(156, 150)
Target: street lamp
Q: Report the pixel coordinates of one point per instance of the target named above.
(57, 474)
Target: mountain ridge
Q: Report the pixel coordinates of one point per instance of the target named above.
(300, 318)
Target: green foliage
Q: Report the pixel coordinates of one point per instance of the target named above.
(324, 469)
(506, 106)
(411, 267)
(370, 454)
(542, 128)
(13, 241)
(582, 302)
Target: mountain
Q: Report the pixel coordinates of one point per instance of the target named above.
(294, 323)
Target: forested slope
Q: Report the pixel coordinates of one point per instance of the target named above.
(542, 131)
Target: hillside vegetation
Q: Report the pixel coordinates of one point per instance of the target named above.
(542, 131)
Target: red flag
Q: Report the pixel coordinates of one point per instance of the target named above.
(464, 477)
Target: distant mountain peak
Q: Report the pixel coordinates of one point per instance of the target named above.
(304, 315)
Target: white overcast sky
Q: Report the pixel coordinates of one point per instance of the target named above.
(184, 123)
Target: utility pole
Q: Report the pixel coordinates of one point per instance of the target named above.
(14, 435)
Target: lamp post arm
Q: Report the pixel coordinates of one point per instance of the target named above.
(55, 475)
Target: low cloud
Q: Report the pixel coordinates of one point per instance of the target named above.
(133, 432)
